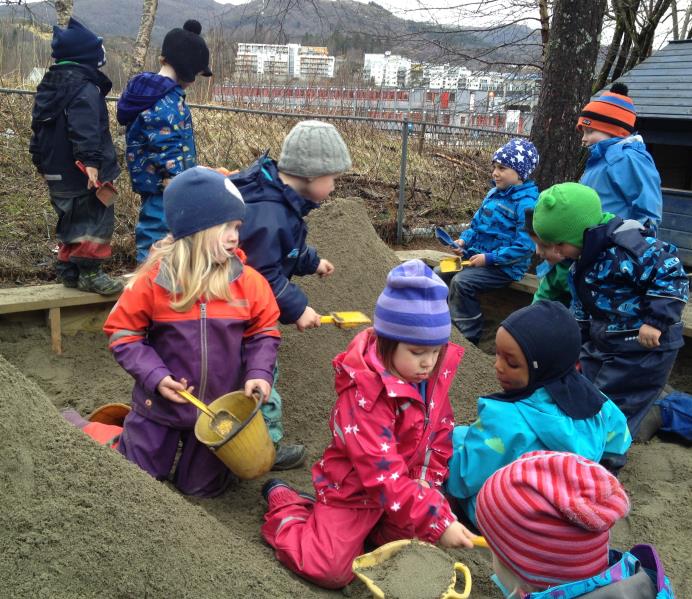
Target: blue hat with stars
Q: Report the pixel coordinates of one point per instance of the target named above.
(520, 155)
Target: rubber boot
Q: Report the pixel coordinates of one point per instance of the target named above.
(67, 273)
(288, 456)
(97, 281)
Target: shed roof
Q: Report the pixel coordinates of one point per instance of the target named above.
(661, 85)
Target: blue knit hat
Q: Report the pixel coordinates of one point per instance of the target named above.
(519, 154)
(413, 306)
(198, 199)
(78, 44)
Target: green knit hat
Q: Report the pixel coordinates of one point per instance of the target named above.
(564, 211)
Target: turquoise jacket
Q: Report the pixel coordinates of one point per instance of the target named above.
(504, 431)
(630, 575)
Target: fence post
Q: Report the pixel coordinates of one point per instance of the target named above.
(402, 181)
(421, 141)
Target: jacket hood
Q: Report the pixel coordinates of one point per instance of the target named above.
(515, 191)
(142, 92)
(265, 173)
(60, 84)
(613, 148)
(359, 366)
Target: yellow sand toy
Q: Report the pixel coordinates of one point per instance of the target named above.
(387, 551)
(247, 448)
(346, 320)
(453, 264)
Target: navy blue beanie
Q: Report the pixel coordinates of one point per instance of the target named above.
(198, 199)
(78, 44)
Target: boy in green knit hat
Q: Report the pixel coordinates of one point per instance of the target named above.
(628, 291)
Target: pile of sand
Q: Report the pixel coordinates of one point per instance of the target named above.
(79, 521)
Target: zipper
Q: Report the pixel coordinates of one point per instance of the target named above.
(203, 343)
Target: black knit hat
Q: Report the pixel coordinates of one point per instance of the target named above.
(77, 44)
(186, 51)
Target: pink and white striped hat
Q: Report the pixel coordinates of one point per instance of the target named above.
(547, 516)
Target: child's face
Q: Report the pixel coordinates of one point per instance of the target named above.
(547, 251)
(414, 363)
(568, 250)
(511, 369)
(591, 136)
(228, 241)
(319, 188)
(504, 176)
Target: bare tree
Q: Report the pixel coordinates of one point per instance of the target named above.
(567, 77)
(63, 10)
(139, 54)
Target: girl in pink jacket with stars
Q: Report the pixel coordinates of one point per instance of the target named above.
(379, 478)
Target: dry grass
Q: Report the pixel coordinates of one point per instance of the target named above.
(445, 183)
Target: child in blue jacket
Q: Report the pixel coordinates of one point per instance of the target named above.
(629, 290)
(544, 404)
(160, 138)
(547, 518)
(496, 243)
(278, 197)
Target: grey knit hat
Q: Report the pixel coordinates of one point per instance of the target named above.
(314, 149)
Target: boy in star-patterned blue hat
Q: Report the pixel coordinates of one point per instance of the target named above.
(496, 244)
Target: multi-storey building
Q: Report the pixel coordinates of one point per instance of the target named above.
(289, 61)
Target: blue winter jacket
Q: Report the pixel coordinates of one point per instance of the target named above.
(160, 138)
(624, 175)
(624, 279)
(504, 431)
(497, 229)
(273, 234)
(635, 574)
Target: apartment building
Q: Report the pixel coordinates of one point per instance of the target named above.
(284, 61)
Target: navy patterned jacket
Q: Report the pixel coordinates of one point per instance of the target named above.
(624, 279)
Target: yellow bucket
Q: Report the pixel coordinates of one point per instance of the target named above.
(385, 552)
(247, 450)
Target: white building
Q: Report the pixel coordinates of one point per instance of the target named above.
(284, 60)
(387, 70)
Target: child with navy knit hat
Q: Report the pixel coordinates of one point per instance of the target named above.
(544, 404)
(69, 122)
(194, 317)
(496, 244)
(379, 478)
(160, 137)
(279, 196)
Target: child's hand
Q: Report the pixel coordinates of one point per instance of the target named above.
(325, 268)
(93, 173)
(457, 535)
(309, 319)
(459, 250)
(258, 385)
(649, 336)
(477, 260)
(168, 388)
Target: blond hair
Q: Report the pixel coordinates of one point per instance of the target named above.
(194, 266)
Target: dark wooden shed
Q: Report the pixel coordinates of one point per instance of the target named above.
(661, 88)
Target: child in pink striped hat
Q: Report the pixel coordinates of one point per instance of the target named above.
(547, 518)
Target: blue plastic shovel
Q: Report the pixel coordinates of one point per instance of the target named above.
(445, 238)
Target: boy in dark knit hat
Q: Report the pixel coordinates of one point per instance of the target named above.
(629, 290)
(160, 138)
(278, 196)
(69, 122)
(496, 243)
(547, 518)
(380, 477)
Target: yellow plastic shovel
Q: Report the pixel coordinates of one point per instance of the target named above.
(222, 422)
(345, 320)
(453, 264)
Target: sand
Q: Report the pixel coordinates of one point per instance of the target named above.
(79, 521)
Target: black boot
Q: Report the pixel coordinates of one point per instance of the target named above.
(288, 456)
(67, 273)
(97, 281)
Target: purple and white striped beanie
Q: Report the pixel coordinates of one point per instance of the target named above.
(413, 306)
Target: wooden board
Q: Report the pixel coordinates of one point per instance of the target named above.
(43, 297)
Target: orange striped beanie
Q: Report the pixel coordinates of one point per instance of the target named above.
(547, 516)
(612, 113)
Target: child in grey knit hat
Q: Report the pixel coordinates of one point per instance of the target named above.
(278, 196)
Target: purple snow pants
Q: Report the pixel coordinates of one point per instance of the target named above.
(153, 447)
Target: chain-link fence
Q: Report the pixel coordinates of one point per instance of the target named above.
(426, 173)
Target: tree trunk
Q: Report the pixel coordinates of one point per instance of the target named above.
(63, 10)
(139, 54)
(545, 26)
(602, 78)
(567, 77)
